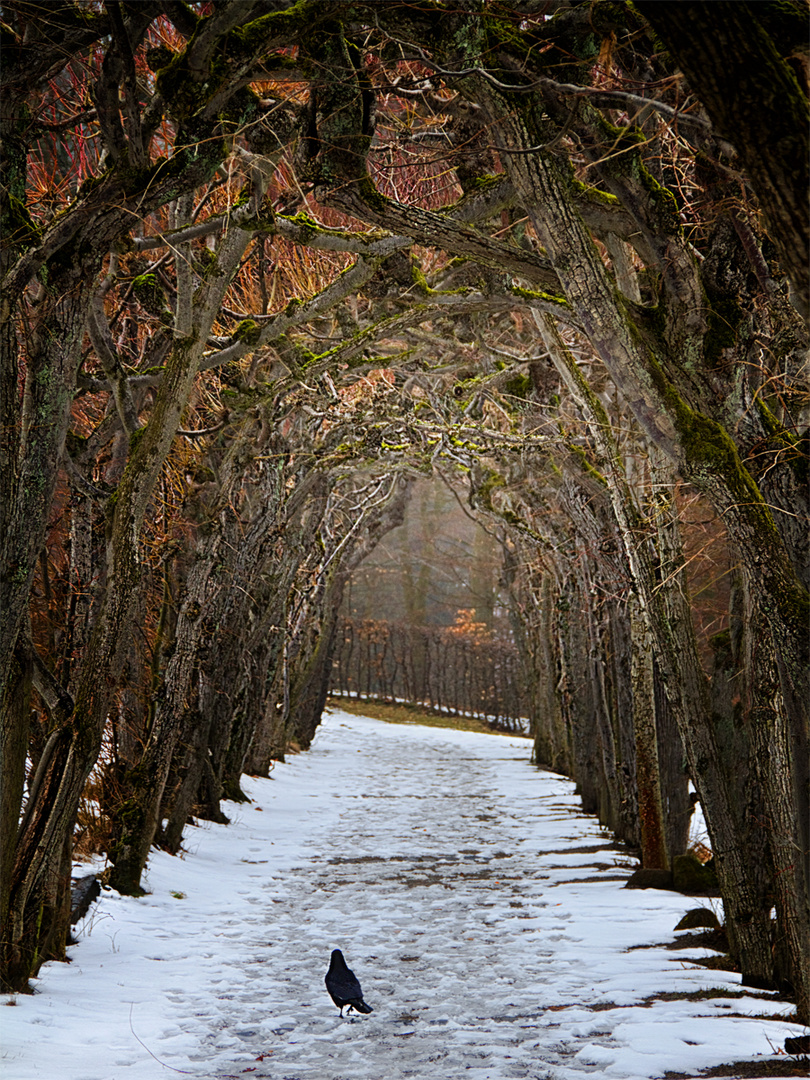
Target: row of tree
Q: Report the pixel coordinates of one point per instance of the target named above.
(265, 262)
(460, 669)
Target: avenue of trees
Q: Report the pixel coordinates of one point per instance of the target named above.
(462, 669)
(264, 263)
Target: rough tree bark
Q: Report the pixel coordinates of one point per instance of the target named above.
(737, 58)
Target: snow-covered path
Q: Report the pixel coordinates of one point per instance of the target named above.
(482, 912)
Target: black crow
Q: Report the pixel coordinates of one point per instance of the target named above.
(343, 986)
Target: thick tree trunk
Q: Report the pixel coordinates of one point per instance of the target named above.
(272, 738)
(187, 772)
(655, 854)
(38, 909)
(782, 833)
(674, 773)
(31, 927)
(311, 685)
(578, 698)
(13, 751)
(754, 100)
(52, 361)
(620, 664)
(608, 783)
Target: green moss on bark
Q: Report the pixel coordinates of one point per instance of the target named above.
(518, 385)
(248, 332)
(590, 470)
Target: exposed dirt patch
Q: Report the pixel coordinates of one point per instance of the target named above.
(595, 878)
(778, 1066)
(595, 1006)
(422, 882)
(705, 995)
(715, 963)
(587, 849)
(702, 939)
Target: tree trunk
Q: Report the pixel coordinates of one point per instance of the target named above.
(13, 751)
(608, 784)
(311, 686)
(621, 665)
(654, 850)
(187, 776)
(755, 101)
(532, 609)
(674, 772)
(38, 909)
(781, 831)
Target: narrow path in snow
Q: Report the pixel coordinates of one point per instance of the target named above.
(482, 912)
(433, 889)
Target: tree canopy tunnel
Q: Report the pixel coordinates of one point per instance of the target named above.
(266, 263)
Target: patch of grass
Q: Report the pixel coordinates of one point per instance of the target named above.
(93, 831)
(412, 714)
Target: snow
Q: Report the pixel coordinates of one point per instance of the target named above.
(482, 911)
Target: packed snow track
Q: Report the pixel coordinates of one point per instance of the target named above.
(483, 913)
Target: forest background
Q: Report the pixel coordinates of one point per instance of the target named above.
(264, 265)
